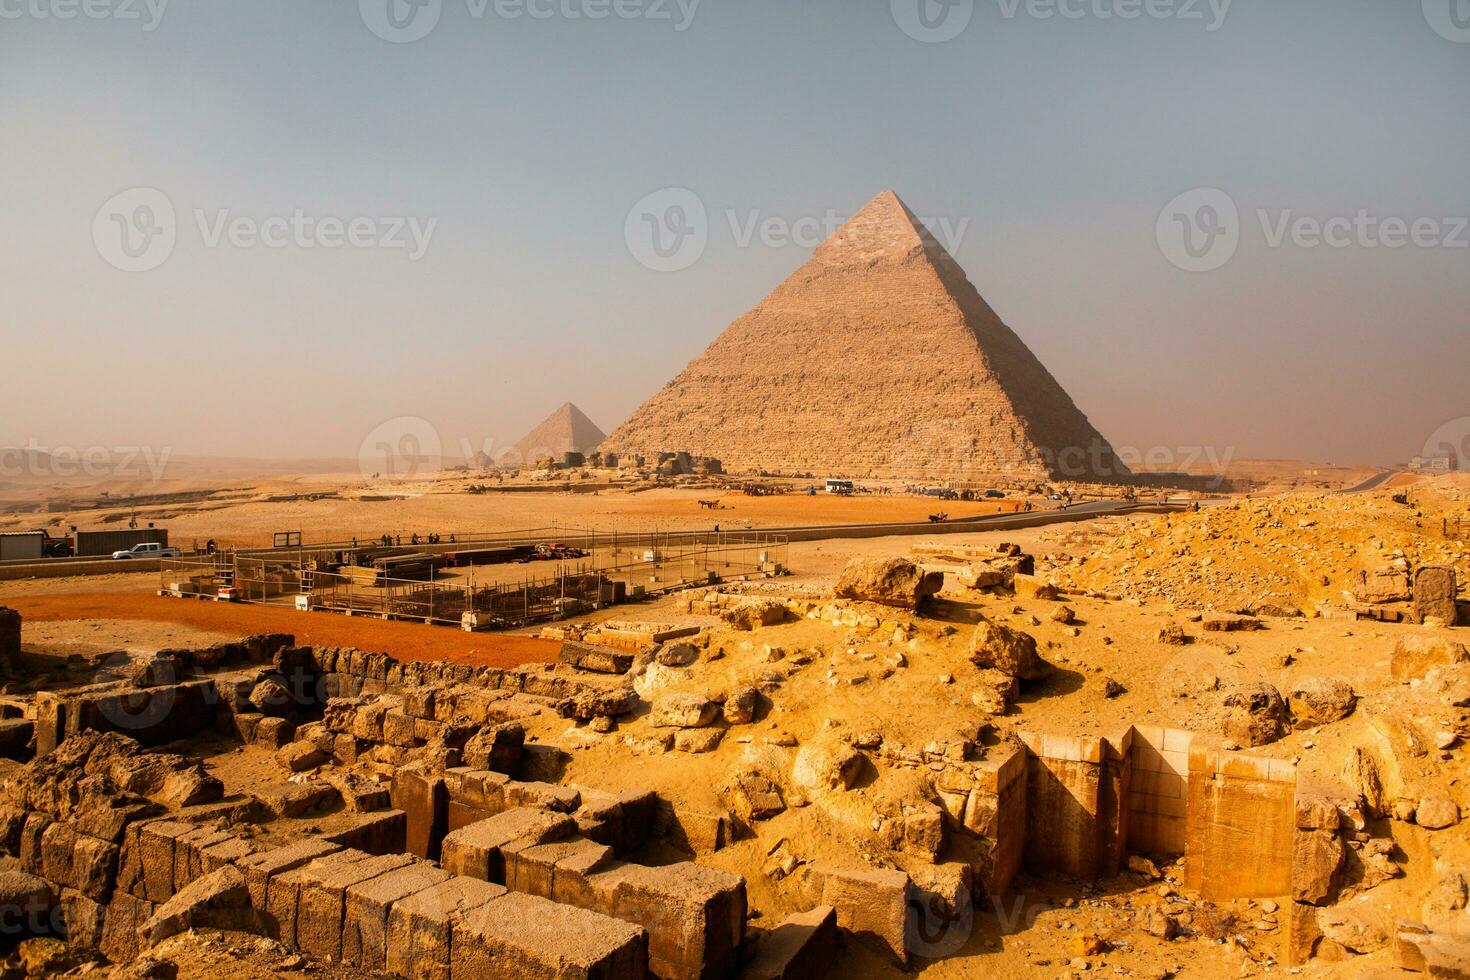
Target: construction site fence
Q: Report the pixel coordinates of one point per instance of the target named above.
(585, 539)
(623, 569)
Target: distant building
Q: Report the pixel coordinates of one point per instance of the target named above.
(1443, 463)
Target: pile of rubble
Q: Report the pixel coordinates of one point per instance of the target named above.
(1299, 552)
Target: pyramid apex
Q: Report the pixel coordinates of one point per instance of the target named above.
(884, 227)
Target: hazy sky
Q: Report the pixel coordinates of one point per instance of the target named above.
(517, 136)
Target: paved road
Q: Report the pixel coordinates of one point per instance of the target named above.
(959, 525)
(1373, 482)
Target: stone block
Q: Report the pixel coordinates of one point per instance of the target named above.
(543, 796)
(300, 756)
(496, 748)
(803, 946)
(481, 789)
(695, 831)
(273, 733)
(421, 795)
(30, 841)
(872, 905)
(189, 854)
(283, 895)
(359, 794)
(420, 925)
(894, 582)
(78, 861)
(365, 915)
(1230, 623)
(322, 902)
(296, 799)
(1317, 861)
(534, 870)
(418, 702)
(1064, 804)
(694, 915)
(10, 623)
(682, 711)
(1382, 585)
(525, 936)
(383, 832)
(219, 900)
(261, 867)
(1435, 591)
(120, 923)
(83, 918)
(1241, 825)
(542, 763)
(475, 851)
(398, 728)
(229, 852)
(596, 659)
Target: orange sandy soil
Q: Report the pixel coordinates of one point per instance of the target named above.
(406, 641)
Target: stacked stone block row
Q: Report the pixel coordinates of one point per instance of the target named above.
(694, 916)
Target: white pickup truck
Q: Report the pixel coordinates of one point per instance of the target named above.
(151, 550)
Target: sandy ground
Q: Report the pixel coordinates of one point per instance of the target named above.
(367, 511)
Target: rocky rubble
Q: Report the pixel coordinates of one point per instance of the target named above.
(1299, 551)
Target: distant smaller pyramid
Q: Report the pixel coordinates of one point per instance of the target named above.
(566, 430)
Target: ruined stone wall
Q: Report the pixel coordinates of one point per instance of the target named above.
(1158, 794)
(1090, 801)
(1064, 778)
(996, 810)
(1113, 809)
(1241, 822)
(9, 638)
(152, 716)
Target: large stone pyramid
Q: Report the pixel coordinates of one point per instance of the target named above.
(566, 430)
(877, 358)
